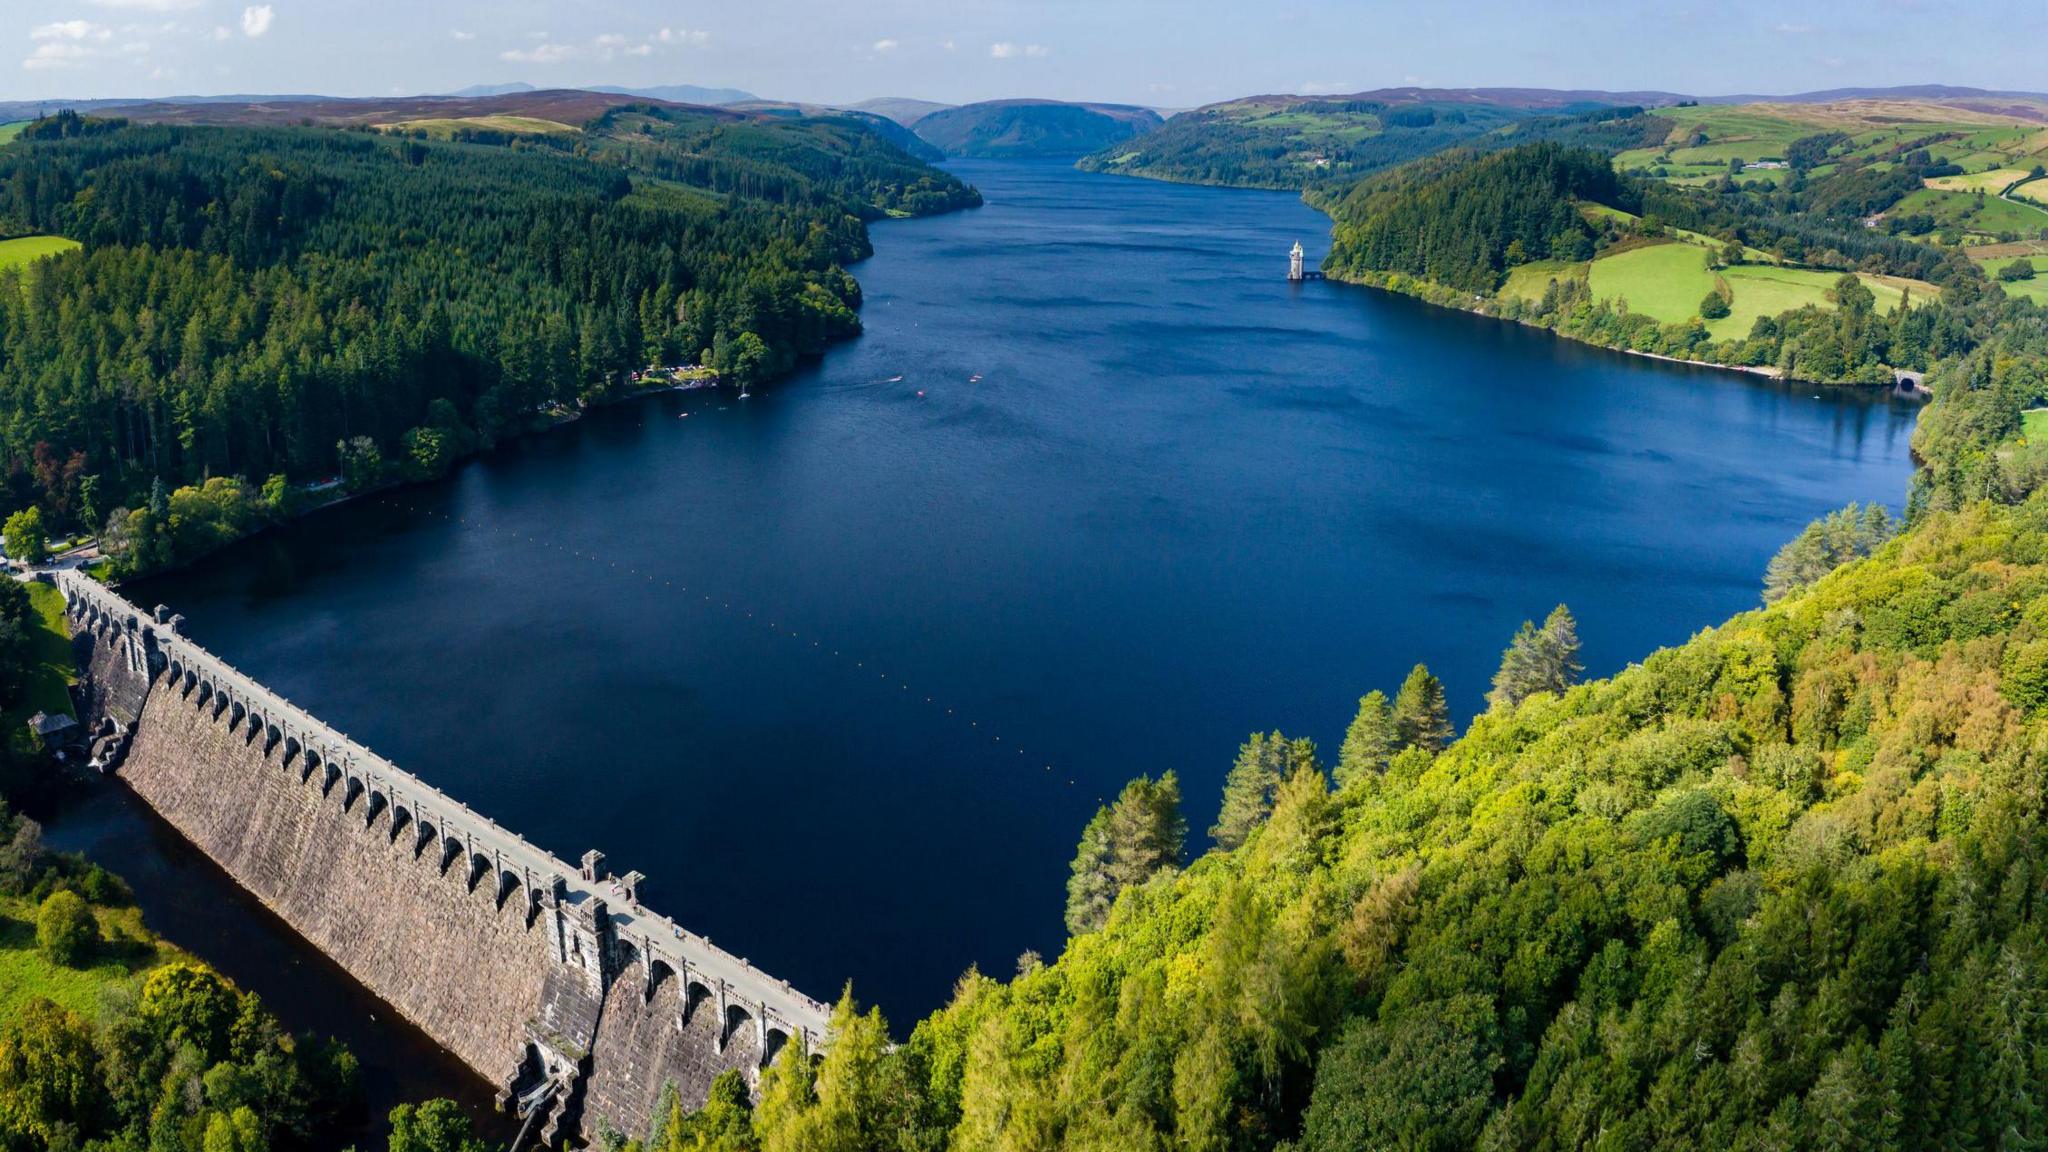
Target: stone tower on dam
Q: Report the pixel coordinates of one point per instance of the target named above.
(549, 979)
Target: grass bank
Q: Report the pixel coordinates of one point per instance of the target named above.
(128, 951)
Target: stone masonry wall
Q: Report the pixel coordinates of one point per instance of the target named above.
(509, 957)
(640, 1048)
(466, 971)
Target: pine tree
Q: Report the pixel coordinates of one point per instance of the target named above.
(1263, 761)
(1370, 741)
(1561, 643)
(1090, 891)
(1126, 843)
(1542, 659)
(1146, 830)
(1421, 718)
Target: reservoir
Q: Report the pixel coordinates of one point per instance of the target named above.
(845, 666)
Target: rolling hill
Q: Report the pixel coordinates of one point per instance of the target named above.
(1017, 128)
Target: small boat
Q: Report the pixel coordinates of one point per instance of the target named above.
(974, 379)
(897, 379)
(920, 392)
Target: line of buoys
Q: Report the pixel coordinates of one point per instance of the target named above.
(705, 597)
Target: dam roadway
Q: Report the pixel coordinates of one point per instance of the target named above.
(550, 979)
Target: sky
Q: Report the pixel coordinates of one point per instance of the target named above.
(1165, 53)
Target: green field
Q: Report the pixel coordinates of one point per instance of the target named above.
(50, 668)
(1963, 210)
(2035, 289)
(1990, 182)
(1976, 140)
(1530, 281)
(1666, 281)
(11, 129)
(28, 249)
(443, 129)
(129, 951)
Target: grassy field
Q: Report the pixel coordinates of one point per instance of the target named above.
(50, 669)
(1978, 141)
(1991, 182)
(2035, 289)
(28, 249)
(1530, 281)
(2034, 425)
(130, 950)
(1962, 210)
(1666, 281)
(446, 128)
(1768, 291)
(10, 130)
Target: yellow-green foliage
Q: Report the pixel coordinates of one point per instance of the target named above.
(1776, 881)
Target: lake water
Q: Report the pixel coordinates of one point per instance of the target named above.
(844, 667)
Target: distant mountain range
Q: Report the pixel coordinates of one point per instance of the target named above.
(674, 93)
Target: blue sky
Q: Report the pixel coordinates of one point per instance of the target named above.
(1169, 53)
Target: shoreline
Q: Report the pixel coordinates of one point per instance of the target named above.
(1918, 391)
(1901, 377)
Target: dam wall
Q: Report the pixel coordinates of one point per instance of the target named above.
(550, 980)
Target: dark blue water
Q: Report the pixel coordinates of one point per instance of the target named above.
(1186, 499)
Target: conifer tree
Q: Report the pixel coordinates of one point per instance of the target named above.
(1263, 761)
(1370, 741)
(1090, 891)
(1126, 843)
(1421, 718)
(1542, 659)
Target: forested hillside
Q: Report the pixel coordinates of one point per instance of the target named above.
(1022, 128)
(1296, 142)
(303, 301)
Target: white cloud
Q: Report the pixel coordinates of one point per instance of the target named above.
(256, 20)
(222, 32)
(1325, 87)
(148, 5)
(950, 46)
(885, 45)
(465, 37)
(1004, 50)
(539, 54)
(71, 30)
(65, 44)
(52, 54)
(1037, 51)
(606, 46)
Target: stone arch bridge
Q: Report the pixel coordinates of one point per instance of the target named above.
(550, 979)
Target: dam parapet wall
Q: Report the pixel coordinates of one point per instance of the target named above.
(552, 980)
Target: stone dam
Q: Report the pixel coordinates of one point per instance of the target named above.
(549, 979)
